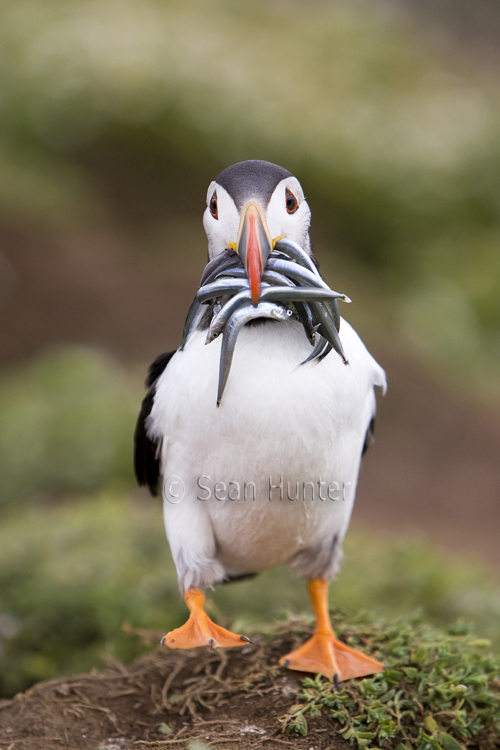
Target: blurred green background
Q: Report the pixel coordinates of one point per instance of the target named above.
(114, 117)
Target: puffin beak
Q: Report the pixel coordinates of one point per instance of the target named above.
(254, 245)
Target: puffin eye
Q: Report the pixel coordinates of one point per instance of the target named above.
(213, 205)
(291, 202)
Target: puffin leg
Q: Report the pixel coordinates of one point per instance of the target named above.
(323, 653)
(199, 630)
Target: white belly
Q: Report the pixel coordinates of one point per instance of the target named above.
(273, 470)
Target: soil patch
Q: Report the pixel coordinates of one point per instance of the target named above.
(224, 698)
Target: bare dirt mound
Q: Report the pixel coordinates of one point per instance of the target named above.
(168, 698)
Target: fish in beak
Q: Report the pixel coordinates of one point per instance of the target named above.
(254, 245)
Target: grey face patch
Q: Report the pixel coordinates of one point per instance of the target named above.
(251, 179)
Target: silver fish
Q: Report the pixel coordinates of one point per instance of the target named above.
(298, 273)
(269, 294)
(291, 294)
(278, 269)
(294, 251)
(227, 259)
(237, 273)
(220, 319)
(321, 348)
(328, 329)
(308, 278)
(312, 296)
(304, 314)
(212, 271)
(194, 316)
(220, 288)
(273, 277)
(234, 326)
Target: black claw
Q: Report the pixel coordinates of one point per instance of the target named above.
(164, 640)
(336, 681)
(286, 663)
(211, 643)
(247, 640)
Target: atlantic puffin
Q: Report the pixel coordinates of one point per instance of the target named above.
(267, 476)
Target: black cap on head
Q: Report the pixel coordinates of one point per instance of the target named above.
(251, 179)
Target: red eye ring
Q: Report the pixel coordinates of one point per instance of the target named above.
(213, 206)
(292, 203)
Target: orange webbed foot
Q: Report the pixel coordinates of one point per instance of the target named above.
(323, 653)
(199, 630)
(326, 655)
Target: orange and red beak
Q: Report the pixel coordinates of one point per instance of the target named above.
(254, 245)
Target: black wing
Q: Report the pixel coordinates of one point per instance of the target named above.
(146, 451)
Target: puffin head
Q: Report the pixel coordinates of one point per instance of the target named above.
(250, 206)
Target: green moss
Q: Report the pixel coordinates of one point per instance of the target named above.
(440, 688)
